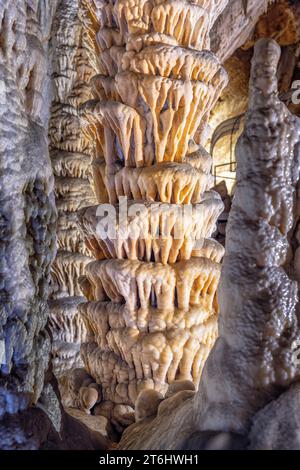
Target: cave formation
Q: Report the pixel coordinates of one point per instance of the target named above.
(150, 244)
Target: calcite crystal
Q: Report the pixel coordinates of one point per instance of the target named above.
(152, 307)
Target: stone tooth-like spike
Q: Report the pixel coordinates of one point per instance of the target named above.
(104, 88)
(66, 270)
(137, 43)
(151, 359)
(68, 331)
(173, 110)
(186, 22)
(109, 37)
(101, 12)
(214, 7)
(68, 234)
(75, 200)
(211, 249)
(166, 182)
(100, 317)
(68, 164)
(71, 156)
(123, 131)
(173, 62)
(172, 233)
(133, 16)
(110, 61)
(192, 282)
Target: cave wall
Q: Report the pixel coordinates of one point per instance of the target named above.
(234, 26)
(43, 84)
(27, 202)
(31, 416)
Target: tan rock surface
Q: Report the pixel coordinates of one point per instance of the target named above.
(152, 291)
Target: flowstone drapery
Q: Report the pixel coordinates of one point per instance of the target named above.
(151, 293)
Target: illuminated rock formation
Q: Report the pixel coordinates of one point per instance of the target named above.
(152, 306)
(236, 25)
(150, 319)
(71, 157)
(250, 401)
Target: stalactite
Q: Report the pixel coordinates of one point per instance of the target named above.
(152, 303)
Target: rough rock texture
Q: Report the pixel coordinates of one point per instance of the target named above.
(164, 423)
(235, 25)
(152, 291)
(150, 321)
(99, 424)
(71, 161)
(220, 233)
(258, 293)
(26, 202)
(30, 413)
(255, 358)
(281, 23)
(277, 425)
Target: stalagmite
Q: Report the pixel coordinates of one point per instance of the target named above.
(152, 307)
(259, 326)
(27, 217)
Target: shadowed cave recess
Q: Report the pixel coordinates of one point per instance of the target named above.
(150, 224)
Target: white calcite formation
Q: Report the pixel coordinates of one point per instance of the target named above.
(30, 413)
(152, 306)
(71, 162)
(26, 201)
(249, 392)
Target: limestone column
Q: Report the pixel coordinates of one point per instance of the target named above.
(152, 306)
